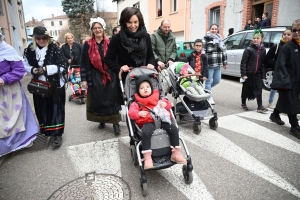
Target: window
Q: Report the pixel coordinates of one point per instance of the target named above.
(52, 23)
(275, 38)
(234, 41)
(9, 1)
(1, 9)
(215, 16)
(266, 41)
(53, 33)
(174, 5)
(159, 8)
(136, 5)
(21, 18)
(28, 32)
(60, 23)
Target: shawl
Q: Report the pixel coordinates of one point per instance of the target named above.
(135, 43)
(217, 40)
(8, 53)
(198, 64)
(96, 59)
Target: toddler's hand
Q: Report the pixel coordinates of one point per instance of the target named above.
(163, 104)
(143, 113)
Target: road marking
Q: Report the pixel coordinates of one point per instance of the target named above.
(221, 146)
(100, 156)
(251, 129)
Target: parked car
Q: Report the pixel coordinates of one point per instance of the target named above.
(184, 49)
(237, 42)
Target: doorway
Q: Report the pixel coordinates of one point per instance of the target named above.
(257, 11)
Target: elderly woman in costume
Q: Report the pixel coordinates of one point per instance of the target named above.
(102, 98)
(71, 50)
(18, 126)
(44, 61)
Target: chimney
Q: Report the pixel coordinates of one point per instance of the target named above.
(33, 20)
(52, 15)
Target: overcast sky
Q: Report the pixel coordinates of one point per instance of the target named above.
(42, 9)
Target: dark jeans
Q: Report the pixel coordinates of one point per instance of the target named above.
(149, 128)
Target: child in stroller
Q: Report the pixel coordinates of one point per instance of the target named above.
(78, 92)
(147, 98)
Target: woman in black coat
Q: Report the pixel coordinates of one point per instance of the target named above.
(132, 45)
(286, 79)
(71, 51)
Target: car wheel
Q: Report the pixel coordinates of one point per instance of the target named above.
(268, 81)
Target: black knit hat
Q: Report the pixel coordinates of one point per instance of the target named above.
(139, 80)
(40, 31)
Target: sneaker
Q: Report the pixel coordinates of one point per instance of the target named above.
(262, 109)
(244, 107)
(277, 120)
(211, 100)
(295, 132)
(271, 106)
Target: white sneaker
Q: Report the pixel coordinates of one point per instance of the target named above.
(271, 106)
(211, 100)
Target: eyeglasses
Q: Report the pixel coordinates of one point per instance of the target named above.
(41, 38)
(97, 28)
(296, 30)
(198, 45)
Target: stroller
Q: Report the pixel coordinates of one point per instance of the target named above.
(81, 96)
(160, 142)
(191, 108)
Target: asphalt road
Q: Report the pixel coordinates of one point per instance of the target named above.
(246, 157)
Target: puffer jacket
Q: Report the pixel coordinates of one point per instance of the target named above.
(253, 61)
(164, 48)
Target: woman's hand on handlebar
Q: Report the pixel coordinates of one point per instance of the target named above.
(149, 66)
(125, 68)
(161, 64)
(84, 85)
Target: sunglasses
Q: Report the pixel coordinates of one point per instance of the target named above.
(41, 38)
(296, 30)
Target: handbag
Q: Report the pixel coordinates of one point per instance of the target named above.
(38, 87)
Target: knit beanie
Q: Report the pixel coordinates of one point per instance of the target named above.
(139, 80)
(178, 67)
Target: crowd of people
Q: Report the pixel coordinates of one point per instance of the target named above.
(100, 60)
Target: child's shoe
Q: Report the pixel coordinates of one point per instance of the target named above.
(244, 107)
(271, 106)
(176, 155)
(262, 109)
(148, 163)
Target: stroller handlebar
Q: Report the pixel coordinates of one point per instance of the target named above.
(130, 68)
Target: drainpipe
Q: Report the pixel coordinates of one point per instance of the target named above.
(184, 22)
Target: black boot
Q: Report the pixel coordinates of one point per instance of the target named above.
(116, 128)
(57, 141)
(77, 93)
(101, 126)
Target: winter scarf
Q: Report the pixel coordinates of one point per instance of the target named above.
(217, 40)
(298, 41)
(198, 64)
(135, 43)
(96, 59)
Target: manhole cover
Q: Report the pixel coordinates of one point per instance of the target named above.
(93, 187)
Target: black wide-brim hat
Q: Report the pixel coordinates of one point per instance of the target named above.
(40, 31)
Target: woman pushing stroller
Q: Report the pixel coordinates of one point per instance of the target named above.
(146, 99)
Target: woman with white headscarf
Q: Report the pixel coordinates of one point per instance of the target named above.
(103, 90)
(18, 126)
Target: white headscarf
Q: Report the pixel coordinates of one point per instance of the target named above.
(99, 20)
(8, 53)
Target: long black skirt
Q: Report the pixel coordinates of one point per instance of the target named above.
(50, 112)
(252, 87)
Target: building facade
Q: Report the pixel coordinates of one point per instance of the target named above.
(12, 24)
(56, 25)
(29, 28)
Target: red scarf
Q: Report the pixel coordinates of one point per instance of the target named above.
(298, 41)
(198, 65)
(96, 58)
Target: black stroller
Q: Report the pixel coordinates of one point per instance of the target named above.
(191, 108)
(160, 142)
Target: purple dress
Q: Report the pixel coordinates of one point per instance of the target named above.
(11, 72)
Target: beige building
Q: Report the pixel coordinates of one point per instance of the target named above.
(56, 25)
(12, 24)
(30, 26)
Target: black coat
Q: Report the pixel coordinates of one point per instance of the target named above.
(75, 54)
(271, 57)
(265, 23)
(286, 78)
(253, 61)
(117, 55)
(204, 66)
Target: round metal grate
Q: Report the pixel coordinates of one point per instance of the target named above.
(93, 187)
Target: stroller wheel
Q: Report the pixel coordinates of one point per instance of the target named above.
(196, 128)
(134, 155)
(144, 189)
(188, 176)
(70, 97)
(213, 124)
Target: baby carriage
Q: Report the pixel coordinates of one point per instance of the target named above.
(160, 141)
(81, 94)
(192, 107)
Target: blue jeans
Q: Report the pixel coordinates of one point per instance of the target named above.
(272, 95)
(214, 77)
